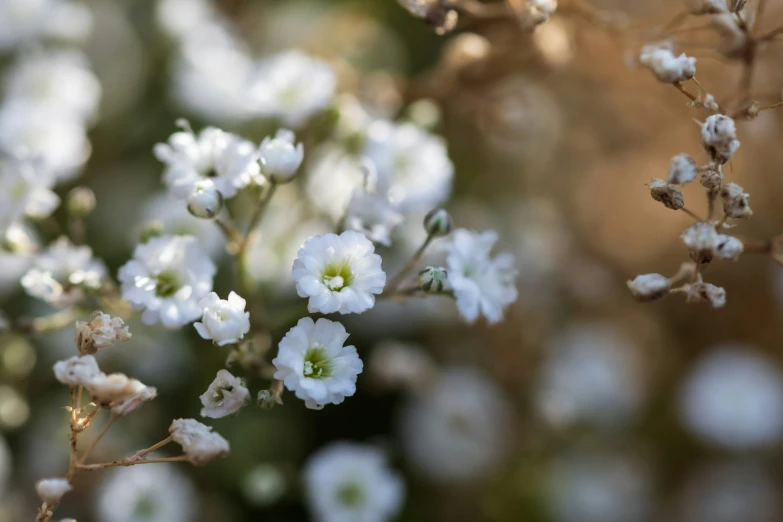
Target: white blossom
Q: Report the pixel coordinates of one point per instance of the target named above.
(229, 161)
(292, 86)
(52, 490)
(372, 215)
(26, 21)
(339, 273)
(119, 392)
(482, 285)
(166, 278)
(701, 240)
(728, 247)
(77, 371)
(280, 156)
(734, 398)
(313, 363)
(147, 493)
(223, 321)
(397, 364)
(349, 481)
(332, 176)
(25, 190)
(667, 67)
(683, 169)
(735, 201)
(701, 292)
(719, 137)
(649, 287)
(198, 441)
(225, 396)
(101, 331)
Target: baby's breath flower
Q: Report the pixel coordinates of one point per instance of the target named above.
(705, 293)
(701, 240)
(101, 331)
(433, 279)
(339, 273)
(735, 201)
(667, 67)
(669, 195)
(710, 103)
(118, 391)
(126, 406)
(52, 490)
(280, 156)
(719, 138)
(438, 223)
(25, 190)
(313, 363)
(649, 287)
(223, 321)
(198, 441)
(728, 247)
(77, 371)
(395, 364)
(683, 169)
(225, 396)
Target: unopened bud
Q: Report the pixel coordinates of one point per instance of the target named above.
(728, 247)
(81, 202)
(205, 201)
(649, 287)
(667, 194)
(280, 157)
(433, 279)
(711, 180)
(437, 222)
(682, 169)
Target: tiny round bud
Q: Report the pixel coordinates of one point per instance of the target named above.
(433, 279)
(437, 222)
(669, 195)
(280, 157)
(81, 202)
(151, 229)
(205, 201)
(649, 287)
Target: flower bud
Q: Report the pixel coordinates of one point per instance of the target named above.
(280, 158)
(719, 138)
(205, 201)
(437, 222)
(433, 279)
(649, 287)
(669, 195)
(711, 180)
(81, 202)
(735, 202)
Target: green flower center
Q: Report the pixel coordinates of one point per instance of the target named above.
(317, 363)
(337, 276)
(350, 494)
(166, 284)
(220, 394)
(145, 507)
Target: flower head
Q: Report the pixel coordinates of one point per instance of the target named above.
(225, 396)
(25, 190)
(52, 490)
(719, 137)
(339, 273)
(280, 156)
(198, 441)
(667, 67)
(313, 363)
(223, 321)
(77, 371)
(649, 287)
(101, 331)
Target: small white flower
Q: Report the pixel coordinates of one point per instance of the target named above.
(701, 240)
(27, 21)
(40, 283)
(223, 321)
(728, 247)
(349, 481)
(142, 394)
(292, 86)
(735, 201)
(280, 157)
(231, 162)
(667, 67)
(719, 137)
(372, 215)
(339, 273)
(25, 190)
(537, 12)
(313, 363)
(705, 293)
(77, 371)
(118, 391)
(734, 398)
(225, 396)
(683, 169)
(649, 287)
(167, 278)
(198, 441)
(710, 103)
(52, 490)
(101, 331)
(482, 285)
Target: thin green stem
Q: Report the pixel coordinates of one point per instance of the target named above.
(391, 288)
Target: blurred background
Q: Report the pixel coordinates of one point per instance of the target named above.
(581, 406)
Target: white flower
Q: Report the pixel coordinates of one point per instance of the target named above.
(225, 396)
(332, 176)
(125, 407)
(120, 392)
(667, 67)
(719, 137)
(223, 321)
(40, 283)
(459, 429)
(25, 190)
(397, 364)
(231, 162)
(735, 201)
(701, 240)
(348, 481)
(372, 215)
(414, 169)
(52, 490)
(25, 21)
(339, 273)
(734, 398)
(147, 493)
(700, 292)
(280, 157)
(292, 86)
(313, 363)
(683, 169)
(482, 285)
(167, 278)
(101, 331)
(77, 371)
(649, 287)
(728, 247)
(198, 441)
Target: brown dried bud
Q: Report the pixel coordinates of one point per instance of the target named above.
(705, 293)
(712, 180)
(701, 240)
(735, 201)
(667, 194)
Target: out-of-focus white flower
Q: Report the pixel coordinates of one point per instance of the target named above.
(719, 137)
(397, 364)
(225, 396)
(458, 430)
(482, 285)
(280, 156)
(101, 331)
(734, 398)
(339, 273)
(229, 161)
(349, 481)
(414, 169)
(292, 86)
(167, 278)
(667, 67)
(198, 441)
(682, 170)
(649, 287)
(181, 18)
(313, 363)
(51, 490)
(223, 321)
(40, 283)
(599, 488)
(77, 371)
(25, 190)
(62, 78)
(26, 21)
(701, 292)
(148, 494)
(372, 215)
(332, 176)
(264, 485)
(592, 373)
